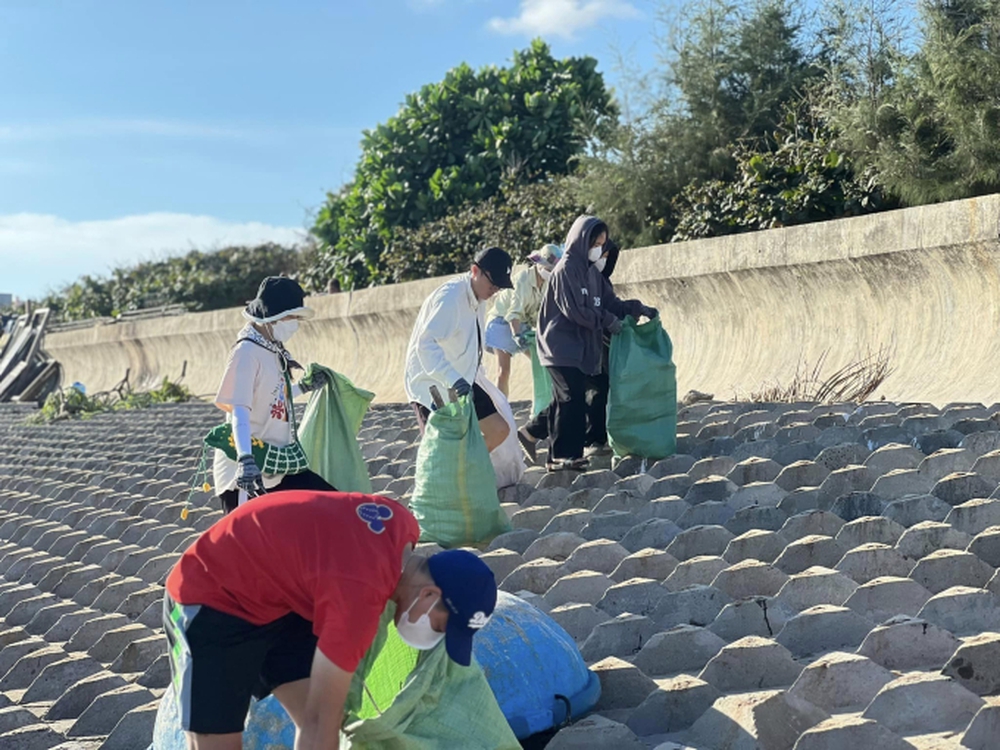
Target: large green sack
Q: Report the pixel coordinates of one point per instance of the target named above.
(541, 381)
(404, 699)
(329, 431)
(454, 495)
(642, 400)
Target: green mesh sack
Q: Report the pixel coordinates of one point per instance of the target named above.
(404, 699)
(541, 382)
(642, 400)
(454, 495)
(329, 431)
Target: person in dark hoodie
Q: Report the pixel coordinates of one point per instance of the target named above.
(578, 307)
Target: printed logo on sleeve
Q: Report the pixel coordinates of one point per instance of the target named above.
(375, 516)
(478, 621)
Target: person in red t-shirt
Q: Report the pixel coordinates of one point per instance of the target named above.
(285, 595)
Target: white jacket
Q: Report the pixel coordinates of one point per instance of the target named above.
(446, 343)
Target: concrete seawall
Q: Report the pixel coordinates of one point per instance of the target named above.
(742, 311)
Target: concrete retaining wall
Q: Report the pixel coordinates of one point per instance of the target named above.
(742, 311)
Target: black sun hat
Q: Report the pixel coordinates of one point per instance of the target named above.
(277, 298)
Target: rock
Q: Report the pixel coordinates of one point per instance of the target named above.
(755, 544)
(697, 605)
(850, 731)
(601, 555)
(750, 578)
(921, 703)
(639, 596)
(823, 628)
(699, 540)
(536, 576)
(870, 561)
(814, 586)
(558, 546)
(815, 522)
(764, 720)
(656, 533)
(841, 682)
(682, 648)
(700, 570)
(646, 563)
(963, 610)
(867, 530)
(622, 685)
(622, 636)
(757, 616)
(675, 704)
(581, 587)
(883, 598)
(906, 643)
(927, 536)
(579, 620)
(960, 487)
(751, 663)
(595, 731)
(945, 568)
(976, 664)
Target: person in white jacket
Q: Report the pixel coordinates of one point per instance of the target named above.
(446, 346)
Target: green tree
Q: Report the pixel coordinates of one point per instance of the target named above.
(452, 144)
(520, 218)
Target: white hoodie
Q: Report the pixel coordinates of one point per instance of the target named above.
(446, 343)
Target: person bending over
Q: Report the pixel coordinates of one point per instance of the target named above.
(284, 595)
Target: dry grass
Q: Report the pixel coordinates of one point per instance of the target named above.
(853, 383)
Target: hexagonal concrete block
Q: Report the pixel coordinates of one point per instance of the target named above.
(699, 540)
(764, 720)
(905, 643)
(639, 596)
(750, 578)
(840, 682)
(976, 664)
(814, 586)
(755, 544)
(622, 684)
(883, 598)
(675, 705)
(870, 561)
(646, 563)
(595, 731)
(711, 488)
(579, 620)
(558, 546)
(974, 516)
(808, 552)
(581, 587)
(572, 520)
(824, 628)
(893, 456)
(960, 487)
(922, 703)
(683, 648)
(622, 636)
(536, 576)
(657, 533)
(758, 616)
(696, 605)
(984, 729)
(753, 470)
(700, 570)
(840, 732)
(963, 610)
(945, 568)
(602, 555)
(811, 523)
(751, 663)
(869, 529)
(841, 482)
(758, 494)
(501, 562)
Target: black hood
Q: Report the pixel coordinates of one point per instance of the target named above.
(609, 267)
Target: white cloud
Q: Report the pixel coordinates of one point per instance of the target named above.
(562, 17)
(39, 252)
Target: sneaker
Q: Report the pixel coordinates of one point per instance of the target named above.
(597, 450)
(528, 444)
(567, 464)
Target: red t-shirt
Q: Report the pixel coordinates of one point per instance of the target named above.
(332, 558)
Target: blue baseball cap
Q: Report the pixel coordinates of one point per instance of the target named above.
(469, 591)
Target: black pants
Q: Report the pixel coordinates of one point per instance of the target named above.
(481, 402)
(596, 390)
(305, 480)
(566, 416)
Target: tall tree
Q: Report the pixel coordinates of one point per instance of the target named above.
(452, 143)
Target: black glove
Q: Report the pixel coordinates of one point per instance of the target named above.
(615, 327)
(462, 388)
(319, 380)
(650, 312)
(248, 477)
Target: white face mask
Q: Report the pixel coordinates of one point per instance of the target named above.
(595, 253)
(420, 634)
(284, 329)
(600, 264)
(545, 273)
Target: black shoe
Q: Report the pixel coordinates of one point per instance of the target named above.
(528, 444)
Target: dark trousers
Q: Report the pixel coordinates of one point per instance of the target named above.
(596, 398)
(566, 416)
(304, 480)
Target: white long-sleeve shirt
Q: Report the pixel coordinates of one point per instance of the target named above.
(446, 342)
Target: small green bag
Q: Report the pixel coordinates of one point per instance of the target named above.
(454, 494)
(541, 381)
(329, 431)
(642, 399)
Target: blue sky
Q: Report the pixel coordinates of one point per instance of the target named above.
(132, 129)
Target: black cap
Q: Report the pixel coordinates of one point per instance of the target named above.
(496, 264)
(277, 297)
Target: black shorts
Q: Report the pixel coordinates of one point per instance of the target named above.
(304, 480)
(219, 661)
(481, 401)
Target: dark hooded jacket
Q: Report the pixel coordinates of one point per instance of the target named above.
(579, 304)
